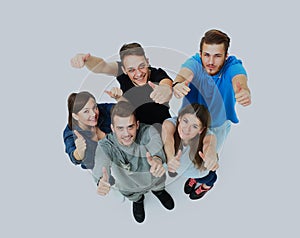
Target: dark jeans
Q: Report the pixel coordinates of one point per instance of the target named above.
(209, 179)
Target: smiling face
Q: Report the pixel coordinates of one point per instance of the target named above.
(136, 67)
(88, 116)
(125, 129)
(189, 126)
(213, 57)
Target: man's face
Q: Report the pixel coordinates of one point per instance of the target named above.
(136, 67)
(125, 129)
(213, 58)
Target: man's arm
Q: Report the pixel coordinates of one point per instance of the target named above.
(95, 64)
(241, 89)
(180, 85)
(162, 92)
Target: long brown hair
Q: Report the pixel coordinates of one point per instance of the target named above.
(76, 101)
(196, 144)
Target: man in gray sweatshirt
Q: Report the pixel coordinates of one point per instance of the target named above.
(134, 154)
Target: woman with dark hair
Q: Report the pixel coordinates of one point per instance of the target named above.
(192, 125)
(88, 122)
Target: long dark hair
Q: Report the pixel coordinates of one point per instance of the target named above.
(201, 112)
(76, 101)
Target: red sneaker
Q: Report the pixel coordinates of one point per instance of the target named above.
(189, 185)
(199, 192)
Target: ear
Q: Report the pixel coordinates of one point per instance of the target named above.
(137, 124)
(227, 55)
(112, 128)
(123, 69)
(201, 130)
(75, 116)
(147, 60)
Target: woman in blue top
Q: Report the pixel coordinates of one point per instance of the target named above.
(191, 127)
(88, 122)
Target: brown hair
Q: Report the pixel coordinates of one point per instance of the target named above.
(76, 101)
(201, 112)
(215, 37)
(122, 109)
(131, 49)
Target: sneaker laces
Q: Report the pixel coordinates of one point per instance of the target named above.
(192, 182)
(200, 189)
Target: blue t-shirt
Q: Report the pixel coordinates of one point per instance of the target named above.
(216, 92)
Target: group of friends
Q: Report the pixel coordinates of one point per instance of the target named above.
(130, 144)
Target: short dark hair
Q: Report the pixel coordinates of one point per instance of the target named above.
(215, 37)
(122, 109)
(131, 49)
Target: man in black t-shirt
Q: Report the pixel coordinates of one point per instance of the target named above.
(147, 88)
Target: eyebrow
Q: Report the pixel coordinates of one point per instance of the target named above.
(130, 67)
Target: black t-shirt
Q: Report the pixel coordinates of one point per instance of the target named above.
(147, 111)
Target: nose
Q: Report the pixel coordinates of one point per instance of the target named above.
(125, 132)
(92, 113)
(137, 73)
(211, 60)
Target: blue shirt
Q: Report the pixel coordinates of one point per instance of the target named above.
(216, 92)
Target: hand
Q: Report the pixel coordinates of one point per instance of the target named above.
(161, 93)
(242, 96)
(210, 161)
(80, 144)
(174, 163)
(78, 61)
(156, 169)
(115, 93)
(181, 89)
(103, 186)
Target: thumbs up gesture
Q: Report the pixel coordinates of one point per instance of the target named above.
(182, 89)
(242, 96)
(115, 93)
(174, 163)
(156, 167)
(78, 61)
(209, 163)
(103, 185)
(161, 93)
(80, 144)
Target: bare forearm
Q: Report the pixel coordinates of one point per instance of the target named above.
(209, 145)
(168, 130)
(99, 65)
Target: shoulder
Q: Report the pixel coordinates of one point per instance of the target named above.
(105, 107)
(157, 74)
(234, 66)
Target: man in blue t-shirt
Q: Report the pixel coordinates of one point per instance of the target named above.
(217, 80)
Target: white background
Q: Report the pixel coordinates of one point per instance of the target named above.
(44, 195)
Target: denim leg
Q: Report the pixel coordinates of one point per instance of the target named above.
(209, 179)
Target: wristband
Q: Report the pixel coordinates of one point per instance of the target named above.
(173, 85)
(156, 157)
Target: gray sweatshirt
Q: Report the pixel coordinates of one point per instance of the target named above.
(128, 164)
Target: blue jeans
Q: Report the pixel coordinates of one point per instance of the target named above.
(209, 179)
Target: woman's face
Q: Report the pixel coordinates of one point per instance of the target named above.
(189, 126)
(88, 115)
